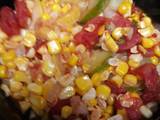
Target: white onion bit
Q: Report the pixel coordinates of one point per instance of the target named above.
(91, 94)
(158, 69)
(145, 111)
(116, 117)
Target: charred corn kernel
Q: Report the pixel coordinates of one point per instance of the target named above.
(51, 35)
(3, 71)
(8, 56)
(24, 105)
(38, 102)
(110, 100)
(66, 8)
(20, 76)
(157, 51)
(2, 49)
(109, 110)
(67, 92)
(54, 47)
(66, 111)
(130, 80)
(73, 60)
(45, 16)
(35, 88)
(147, 42)
(29, 40)
(15, 86)
(118, 80)
(48, 68)
(154, 60)
(146, 32)
(83, 84)
(56, 8)
(133, 63)
(117, 33)
(110, 43)
(122, 68)
(125, 8)
(96, 79)
(103, 91)
(92, 102)
(22, 63)
(101, 30)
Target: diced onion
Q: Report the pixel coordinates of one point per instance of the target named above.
(116, 117)
(145, 111)
(114, 4)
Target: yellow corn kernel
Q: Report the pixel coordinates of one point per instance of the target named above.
(147, 20)
(130, 80)
(2, 49)
(22, 63)
(15, 86)
(29, 40)
(57, 1)
(101, 30)
(24, 105)
(66, 8)
(157, 51)
(64, 37)
(72, 47)
(16, 38)
(125, 8)
(24, 92)
(96, 79)
(147, 42)
(66, 111)
(51, 35)
(110, 43)
(117, 33)
(3, 71)
(110, 100)
(106, 116)
(109, 110)
(48, 68)
(135, 17)
(3, 36)
(45, 16)
(122, 68)
(35, 88)
(11, 65)
(146, 32)
(83, 84)
(118, 80)
(154, 60)
(133, 63)
(103, 91)
(56, 8)
(8, 56)
(92, 102)
(20, 76)
(86, 68)
(54, 47)
(67, 92)
(134, 94)
(73, 60)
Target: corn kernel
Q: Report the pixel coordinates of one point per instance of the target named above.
(134, 94)
(57, 1)
(48, 68)
(117, 33)
(66, 112)
(109, 110)
(15, 86)
(133, 63)
(147, 42)
(135, 17)
(110, 100)
(22, 63)
(123, 113)
(66, 8)
(3, 71)
(101, 30)
(64, 37)
(54, 47)
(125, 8)
(118, 80)
(103, 91)
(56, 8)
(147, 20)
(96, 79)
(45, 16)
(35, 88)
(20, 76)
(83, 84)
(8, 56)
(51, 35)
(29, 40)
(106, 116)
(92, 102)
(130, 80)
(24, 106)
(2, 49)
(146, 32)
(24, 92)
(110, 43)
(154, 60)
(157, 51)
(11, 65)
(73, 60)
(3, 36)
(72, 47)
(122, 68)
(67, 92)
(6, 89)
(16, 38)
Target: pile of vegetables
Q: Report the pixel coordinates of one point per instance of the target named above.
(81, 59)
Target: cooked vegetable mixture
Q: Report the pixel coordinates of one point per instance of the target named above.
(80, 59)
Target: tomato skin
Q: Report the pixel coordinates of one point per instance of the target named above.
(22, 13)
(8, 21)
(89, 39)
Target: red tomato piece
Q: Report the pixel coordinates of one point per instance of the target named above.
(8, 21)
(89, 39)
(22, 12)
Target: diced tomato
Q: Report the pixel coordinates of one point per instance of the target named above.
(129, 43)
(35, 70)
(8, 21)
(89, 39)
(22, 12)
(114, 87)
